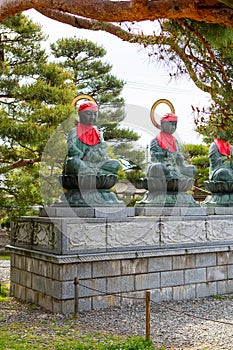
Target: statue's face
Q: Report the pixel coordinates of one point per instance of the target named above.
(88, 117)
(223, 135)
(168, 127)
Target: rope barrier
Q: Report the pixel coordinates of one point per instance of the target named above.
(157, 304)
(194, 316)
(107, 294)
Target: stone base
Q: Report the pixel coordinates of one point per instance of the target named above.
(176, 257)
(88, 198)
(218, 200)
(47, 280)
(169, 199)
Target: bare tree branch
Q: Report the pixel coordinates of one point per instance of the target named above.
(212, 11)
(19, 164)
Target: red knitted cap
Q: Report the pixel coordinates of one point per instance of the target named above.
(88, 106)
(169, 117)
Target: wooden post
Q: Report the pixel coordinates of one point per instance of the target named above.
(76, 296)
(147, 315)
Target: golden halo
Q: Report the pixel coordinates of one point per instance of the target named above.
(152, 111)
(82, 97)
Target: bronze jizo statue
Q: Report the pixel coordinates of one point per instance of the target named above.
(167, 160)
(220, 182)
(88, 172)
(220, 155)
(168, 178)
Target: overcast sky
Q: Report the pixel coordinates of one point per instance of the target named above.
(146, 82)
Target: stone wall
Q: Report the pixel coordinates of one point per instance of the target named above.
(170, 274)
(175, 256)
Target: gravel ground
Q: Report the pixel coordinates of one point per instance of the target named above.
(4, 271)
(185, 325)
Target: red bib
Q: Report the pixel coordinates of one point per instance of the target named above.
(166, 141)
(88, 134)
(223, 147)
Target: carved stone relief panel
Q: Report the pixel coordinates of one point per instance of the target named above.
(132, 234)
(22, 232)
(219, 230)
(86, 236)
(183, 232)
(45, 235)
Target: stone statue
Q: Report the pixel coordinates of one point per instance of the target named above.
(220, 156)
(87, 151)
(88, 171)
(168, 178)
(220, 183)
(166, 157)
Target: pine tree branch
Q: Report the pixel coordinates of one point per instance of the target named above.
(19, 164)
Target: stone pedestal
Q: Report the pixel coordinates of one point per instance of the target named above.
(221, 194)
(177, 253)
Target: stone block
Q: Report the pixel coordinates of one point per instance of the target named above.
(157, 211)
(132, 298)
(133, 266)
(160, 264)
(38, 283)
(172, 278)
(84, 270)
(184, 262)
(101, 302)
(84, 304)
(230, 271)
(193, 211)
(225, 287)
(64, 272)
(65, 307)
(184, 292)
(207, 259)
(216, 273)
(223, 210)
(15, 275)
(46, 302)
(195, 275)
(63, 212)
(113, 212)
(106, 268)
(20, 262)
(147, 281)
(47, 211)
(92, 287)
(25, 278)
(206, 289)
(42, 267)
(18, 291)
(225, 258)
(161, 294)
(210, 210)
(65, 289)
(33, 265)
(120, 284)
(32, 296)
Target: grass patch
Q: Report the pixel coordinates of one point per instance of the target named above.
(218, 297)
(4, 292)
(52, 338)
(50, 332)
(4, 257)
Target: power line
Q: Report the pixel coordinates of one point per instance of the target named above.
(151, 87)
